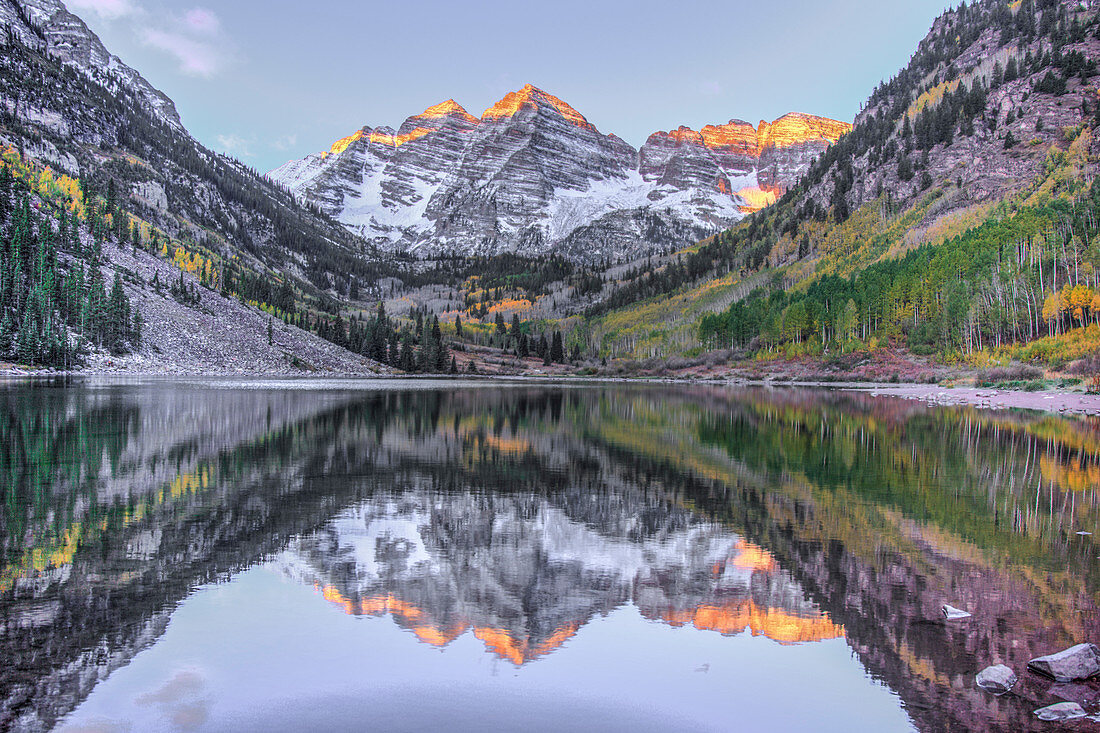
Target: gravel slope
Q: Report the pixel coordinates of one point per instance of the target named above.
(219, 336)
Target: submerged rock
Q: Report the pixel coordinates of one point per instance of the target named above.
(1076, 663)
(950, 612)
(997, 679)
(1061, 711)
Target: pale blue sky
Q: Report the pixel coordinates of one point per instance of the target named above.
(271, 80)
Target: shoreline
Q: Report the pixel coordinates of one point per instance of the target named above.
(1061, 402)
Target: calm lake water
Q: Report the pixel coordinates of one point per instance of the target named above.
(236, 555)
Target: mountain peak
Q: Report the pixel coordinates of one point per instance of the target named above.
(573, 189)
(450, 108)
(531, 96)
(343, 143)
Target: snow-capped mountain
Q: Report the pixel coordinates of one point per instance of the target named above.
(533, 175)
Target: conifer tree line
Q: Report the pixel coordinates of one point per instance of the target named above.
(419, 349)
(515, 339)
(54, 302)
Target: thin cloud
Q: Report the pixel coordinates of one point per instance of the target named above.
(195, 58)
(106, 9)
(194, 39)
(710, 88)
(236, 145)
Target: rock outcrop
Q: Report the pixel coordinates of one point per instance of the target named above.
(532, 175)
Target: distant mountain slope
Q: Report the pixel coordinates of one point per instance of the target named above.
(532, 176)
(68, 103)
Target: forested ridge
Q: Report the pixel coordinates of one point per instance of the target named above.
(983, 147)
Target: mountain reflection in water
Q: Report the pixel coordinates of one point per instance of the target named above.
(525, 572)
(529, 519)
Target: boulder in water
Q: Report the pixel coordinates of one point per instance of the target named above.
(997, 679)
(1076, 663)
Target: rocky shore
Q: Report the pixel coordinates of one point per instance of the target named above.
(1063, 403)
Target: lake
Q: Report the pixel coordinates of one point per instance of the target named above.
(408, 555)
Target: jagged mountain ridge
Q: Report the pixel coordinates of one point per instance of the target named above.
(532, 175)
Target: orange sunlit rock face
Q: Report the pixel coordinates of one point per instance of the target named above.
(797, 128)
(380, 138)
(736, 137)
(775, 624)
(429, 117)
(759, 197)
(513, 102)
(684, 134)
(343, 143)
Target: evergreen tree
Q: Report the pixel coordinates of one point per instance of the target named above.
(515, 331)
(408, 358)
(439, 350)
(118, 319)
(557, 352)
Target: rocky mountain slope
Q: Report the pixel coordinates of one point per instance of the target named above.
(532, 175)
(227, 272)
(66, 102)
